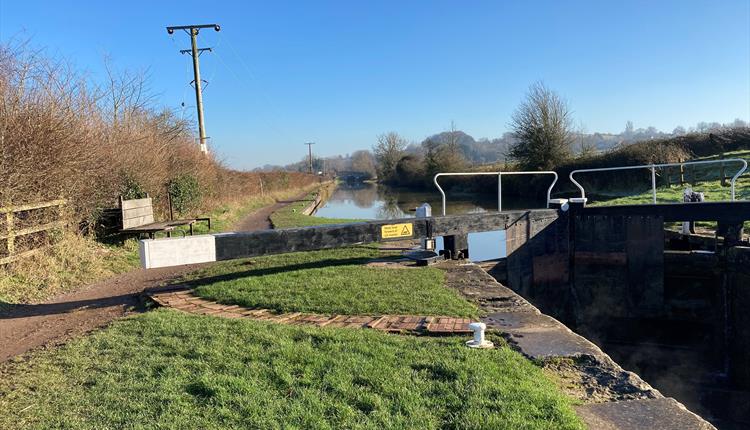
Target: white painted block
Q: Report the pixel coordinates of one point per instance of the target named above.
(177, 251)
(424, 211)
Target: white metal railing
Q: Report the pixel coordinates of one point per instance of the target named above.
(499, 183)
(653, 167)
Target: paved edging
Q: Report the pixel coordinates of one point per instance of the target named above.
(183, 299)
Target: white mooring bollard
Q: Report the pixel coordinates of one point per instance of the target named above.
(479, 341)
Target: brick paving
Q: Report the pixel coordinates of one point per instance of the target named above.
(182, 299)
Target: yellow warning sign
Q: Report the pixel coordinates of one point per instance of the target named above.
(392, 231)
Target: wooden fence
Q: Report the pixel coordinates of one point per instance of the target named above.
(10, 233)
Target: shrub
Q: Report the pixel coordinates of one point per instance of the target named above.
(131, 188)
(65, 137)
(185, 192)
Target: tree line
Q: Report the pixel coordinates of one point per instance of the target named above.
(542, 136)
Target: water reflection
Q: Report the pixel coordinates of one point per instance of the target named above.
(370, 201)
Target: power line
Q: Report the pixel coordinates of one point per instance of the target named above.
(195, 52)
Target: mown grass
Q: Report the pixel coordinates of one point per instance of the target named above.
(166, 369)
(169, 370)
(335, 281)
(331, 282)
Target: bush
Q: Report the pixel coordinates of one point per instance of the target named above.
(65, 137)
(131, 188)
(185, 192)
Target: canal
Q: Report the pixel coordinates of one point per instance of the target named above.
(368, 201)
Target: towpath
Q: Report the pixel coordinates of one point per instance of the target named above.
(25, 327)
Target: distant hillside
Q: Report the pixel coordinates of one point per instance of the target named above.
(674, 149)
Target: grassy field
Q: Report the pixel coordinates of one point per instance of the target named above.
(331, 282)
(706, 181)
(169, 370)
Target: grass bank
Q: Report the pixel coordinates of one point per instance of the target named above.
(71, 262)
(224, 217)
(75, 260)
(169, 370)
(703, 179)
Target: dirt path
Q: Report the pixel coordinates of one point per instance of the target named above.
(24, 327)
(261, 219)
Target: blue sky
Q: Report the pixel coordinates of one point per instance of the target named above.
(340, 73)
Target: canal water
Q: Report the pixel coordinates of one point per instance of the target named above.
(369, 201)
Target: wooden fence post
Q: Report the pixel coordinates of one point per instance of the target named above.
(9, 228)
(10, 232)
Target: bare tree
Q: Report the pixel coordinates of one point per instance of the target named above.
(388, 151)
(542, 128)
(362, 161)
(585, 146)
(629, 129)
(126, 92)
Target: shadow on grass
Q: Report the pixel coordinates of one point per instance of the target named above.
(12, 311)
(272, 271)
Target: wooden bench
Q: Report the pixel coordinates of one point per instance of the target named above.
(138, 218)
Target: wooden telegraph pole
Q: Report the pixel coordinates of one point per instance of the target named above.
(195, 52)
(309, 151)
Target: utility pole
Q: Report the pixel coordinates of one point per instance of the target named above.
(309, 150)
(195, 52)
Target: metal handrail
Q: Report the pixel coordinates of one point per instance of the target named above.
(653, 172)
(499, 182)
